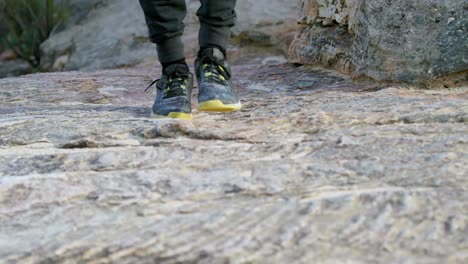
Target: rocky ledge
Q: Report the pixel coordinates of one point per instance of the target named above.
(315, 168)
(415, 41)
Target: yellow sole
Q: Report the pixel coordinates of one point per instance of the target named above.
(179, 115)
(176, 115)
(218, 106)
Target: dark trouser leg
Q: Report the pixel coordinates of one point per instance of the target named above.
(216, 18)
(164, 19)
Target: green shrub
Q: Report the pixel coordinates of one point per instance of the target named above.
(29, 23)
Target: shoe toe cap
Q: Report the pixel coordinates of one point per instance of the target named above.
(217, 92)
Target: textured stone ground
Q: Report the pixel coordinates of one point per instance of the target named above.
(315, 168)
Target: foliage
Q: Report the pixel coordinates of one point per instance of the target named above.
(29, 23)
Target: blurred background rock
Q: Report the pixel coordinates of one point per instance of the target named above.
(108, 34)
(418, 42)
(26, 24)
(103, 34)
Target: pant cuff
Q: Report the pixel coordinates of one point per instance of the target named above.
(213, 36)
(170, 49)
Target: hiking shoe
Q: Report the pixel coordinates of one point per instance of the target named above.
(216, 93)
(174, 93)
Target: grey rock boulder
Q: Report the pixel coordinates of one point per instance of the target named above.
(102, 34)
(12, 68)
(413, 41)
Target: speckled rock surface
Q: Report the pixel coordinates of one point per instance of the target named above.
(413, 41)
(314, 169)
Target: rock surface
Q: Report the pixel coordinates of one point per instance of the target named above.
(412, 41)
(315, 168)
(108, 34)
(10, 68)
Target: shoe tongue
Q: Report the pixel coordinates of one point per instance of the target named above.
(213, 54)
(181, 69)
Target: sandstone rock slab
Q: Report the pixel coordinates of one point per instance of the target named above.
(315, 168)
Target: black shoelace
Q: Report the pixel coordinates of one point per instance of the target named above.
(215, 72)
(176, 85)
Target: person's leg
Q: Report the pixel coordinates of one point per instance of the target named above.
(216, 18)
(164, 19)
(216, 91)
